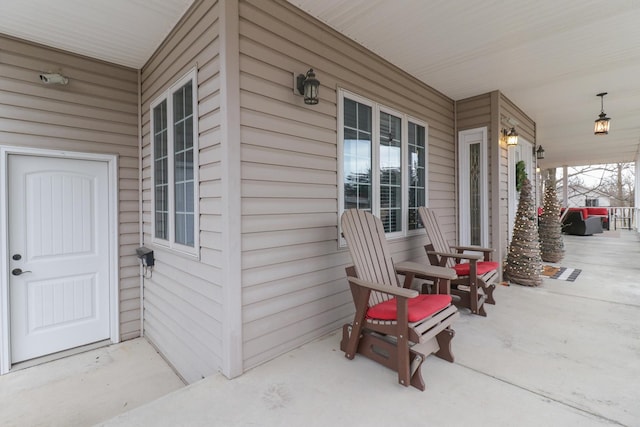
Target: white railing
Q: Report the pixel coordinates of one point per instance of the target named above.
(623, 217)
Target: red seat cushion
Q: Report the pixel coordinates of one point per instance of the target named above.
(482, 267)
(420, 307)
(598, 211)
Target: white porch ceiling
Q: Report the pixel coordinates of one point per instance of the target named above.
(125, 32)
(550, 57)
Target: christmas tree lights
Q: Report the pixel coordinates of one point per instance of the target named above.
(551, 242)
(524, 264)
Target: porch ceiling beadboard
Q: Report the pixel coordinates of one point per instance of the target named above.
(550, 58)
(124, 32)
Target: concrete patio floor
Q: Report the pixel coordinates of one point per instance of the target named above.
(563, 354)
(87, 388)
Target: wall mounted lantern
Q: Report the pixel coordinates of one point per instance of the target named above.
(308, 86)
(510, 136)
(540, 153)
(602, 122)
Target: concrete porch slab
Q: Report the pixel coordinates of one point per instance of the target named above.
(563, 354)
(86, 388)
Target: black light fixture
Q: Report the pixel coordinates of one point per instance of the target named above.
(602, 122)
(540, 153)
(510, 136)
(308, 86)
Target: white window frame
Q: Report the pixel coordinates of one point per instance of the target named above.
(167, 95)
(405, 176)
(376, 109)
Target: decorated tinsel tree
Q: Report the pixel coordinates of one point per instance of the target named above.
(551, 242)
(524, 264)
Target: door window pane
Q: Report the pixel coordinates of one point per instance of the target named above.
(475, 215)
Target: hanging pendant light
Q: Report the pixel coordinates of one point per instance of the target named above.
(602, 122)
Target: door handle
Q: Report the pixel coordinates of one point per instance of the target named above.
(18, 271)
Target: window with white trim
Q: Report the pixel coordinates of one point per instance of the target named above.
(174, 171)
(382, 162)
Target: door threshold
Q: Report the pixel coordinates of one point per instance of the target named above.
(59, 355)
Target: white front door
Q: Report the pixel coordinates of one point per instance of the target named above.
(58, 229)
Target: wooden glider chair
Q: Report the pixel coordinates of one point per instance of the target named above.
(475, 283)
(393, 325)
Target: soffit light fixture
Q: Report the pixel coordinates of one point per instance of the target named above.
(540, 153)
(53, 79)
(602, 122)
(510, 136)
(308, 85)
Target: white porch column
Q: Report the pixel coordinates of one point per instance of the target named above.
(232, 363)
(565, 186)
(636, 204)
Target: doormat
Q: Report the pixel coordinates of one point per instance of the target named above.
(561, 273)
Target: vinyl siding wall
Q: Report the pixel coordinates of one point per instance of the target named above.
(183, 301)
(293, 280)
(96, 112)
(526, 128)
(492, 110)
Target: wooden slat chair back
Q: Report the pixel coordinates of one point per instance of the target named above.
(370, 253)
(475, 283)
(373, 278)
(434, 231)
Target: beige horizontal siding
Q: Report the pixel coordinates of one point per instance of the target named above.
(293, 270)
(183, 298)
(95, 113)
(526, 129)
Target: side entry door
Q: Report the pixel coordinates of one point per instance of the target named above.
(59, 254)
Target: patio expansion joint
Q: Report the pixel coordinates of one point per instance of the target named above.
(595, 299)
(544, 396)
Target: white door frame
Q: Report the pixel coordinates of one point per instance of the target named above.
(465, 138)
(524, 149)
(112, 165)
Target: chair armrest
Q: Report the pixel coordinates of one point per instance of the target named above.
(473, 248)
(486, 251)
(457, 256)
(426, 270)
(385, 289)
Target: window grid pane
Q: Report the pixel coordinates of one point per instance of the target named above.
(357, 137)
(183, 165)
(161, 169)
(390, 172)
(417, 162)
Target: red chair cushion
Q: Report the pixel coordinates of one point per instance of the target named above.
(420, 307)
(585, 212)
(482, 267)
(598, 211)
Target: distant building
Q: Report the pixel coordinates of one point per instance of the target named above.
(579, 195)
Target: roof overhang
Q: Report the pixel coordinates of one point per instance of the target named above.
(551, 58)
